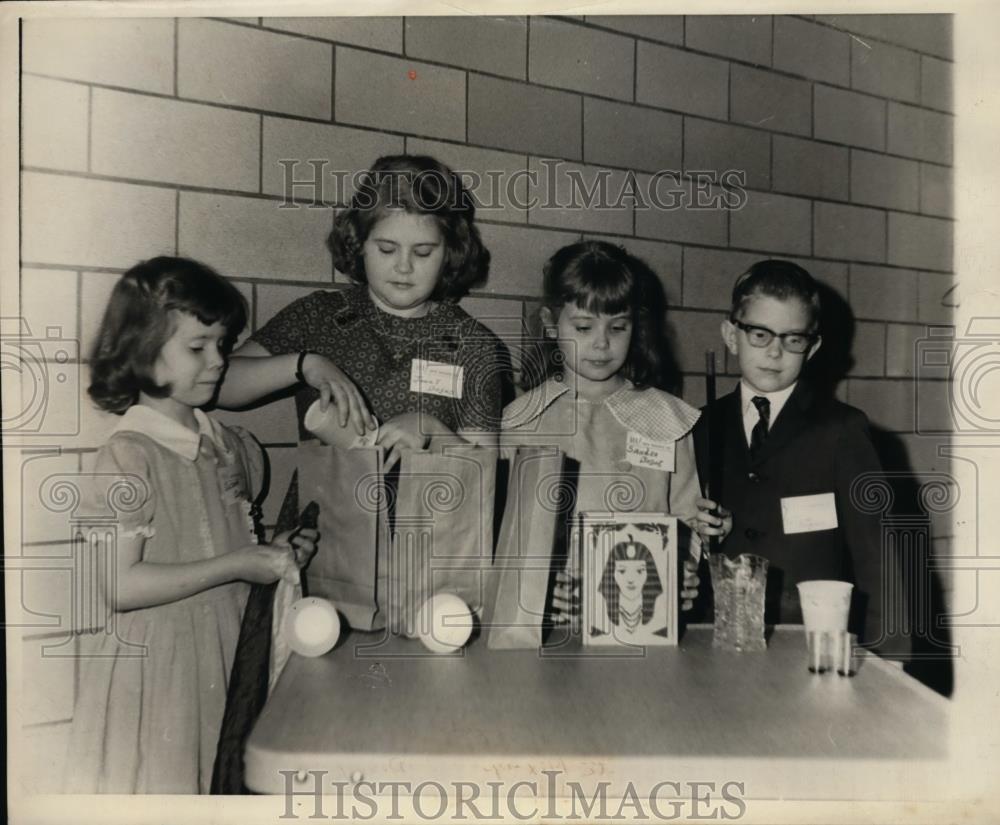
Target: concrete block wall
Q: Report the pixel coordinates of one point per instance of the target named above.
(163, 136)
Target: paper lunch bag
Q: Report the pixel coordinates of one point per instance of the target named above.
(384, 549)
(533, 518)
(442, 531)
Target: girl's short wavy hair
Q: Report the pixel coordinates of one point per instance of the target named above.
(418, 185)
(603, 278)
(138, 322)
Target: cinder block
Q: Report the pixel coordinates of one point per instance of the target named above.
(663, 258)
(272, 423)
(883, 293)
(399, 94)
(709, 275)
(762, 98)
(937, 86)
(901, 342)
(518, 256)
(382, 33)
(497, 180)
(681, 211)
(254, 238)
(497, 45)
(676, 79)
(927, 243)
(937, 298)
(49, 300)
(342, 153)
(137, 53)
(872, 25)
(868, 350)
(631, 136)
(773, 223)
(805, 167)
(43, 516)
(93, 222)
(692, 334)
(719, 147)
(919, 133)
(740, 36)
(272, 298)
(848, 232)
(830, 273)
(44, 593)
(54, 124)
(505, 318)
(582, 198)
(47, 684)
(881, 180)
(149, 138)
(42, 759)
(889, 405)
(933, 404)
(931, 33)
(525, 118)
(585, 60)
(816, 52)
(848, 117)
(885, 70)
(662, 27)
(242, 66)
(693, 388)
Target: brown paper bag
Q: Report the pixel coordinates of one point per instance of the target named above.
(523, 562)
(349, 487)
(442, 531)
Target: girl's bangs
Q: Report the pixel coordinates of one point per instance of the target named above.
(603, 290)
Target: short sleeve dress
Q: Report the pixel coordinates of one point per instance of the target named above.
(152, 692)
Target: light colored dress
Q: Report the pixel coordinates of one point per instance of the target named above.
(152, 692)
(595, 437)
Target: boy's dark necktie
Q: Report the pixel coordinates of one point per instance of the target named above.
(759, 432)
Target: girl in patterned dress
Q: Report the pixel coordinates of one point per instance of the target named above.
(410, 245)
(153, 681)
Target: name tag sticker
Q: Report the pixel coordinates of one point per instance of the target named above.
(231, 483)
(656, 455)
(435, 378)
(808, 514)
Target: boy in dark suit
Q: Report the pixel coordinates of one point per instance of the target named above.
(785, 459)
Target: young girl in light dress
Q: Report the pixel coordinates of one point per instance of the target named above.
(152, 683)
(629, 444)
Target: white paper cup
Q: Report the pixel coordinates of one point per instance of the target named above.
(312, 626)
(326, 427)
(825, 605)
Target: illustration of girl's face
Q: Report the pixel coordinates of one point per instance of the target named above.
(630, 576)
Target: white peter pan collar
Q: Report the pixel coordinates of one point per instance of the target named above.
(169, 433)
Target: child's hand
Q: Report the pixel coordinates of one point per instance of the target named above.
(565, 598)
(261, 564)
(712, 520)
(301, 542)
(404, 432)
(334, 384)
(689, 589)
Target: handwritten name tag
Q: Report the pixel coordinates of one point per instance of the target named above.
(656, 455)
(807, 514)
(435, 378)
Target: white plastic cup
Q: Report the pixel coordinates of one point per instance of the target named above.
(325, 425)
(825, 605)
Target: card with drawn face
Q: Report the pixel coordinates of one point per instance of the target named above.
(629, 578)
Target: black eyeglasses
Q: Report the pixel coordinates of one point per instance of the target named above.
(796, 342)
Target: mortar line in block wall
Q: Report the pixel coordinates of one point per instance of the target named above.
(645, 106)
(873, 39)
